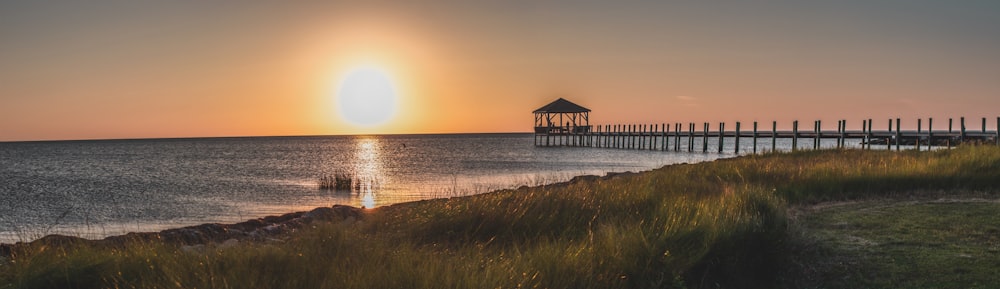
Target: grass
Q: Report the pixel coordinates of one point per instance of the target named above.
(338, 181)
(927, 244)
(721, 224)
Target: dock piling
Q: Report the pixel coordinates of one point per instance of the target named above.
(677, 137)
(949, 132)
(704, 139)
(690, 137)
(888, 141)
(774, 136)
(962, 123)
(722, 128)
(930, 133)
(632, 136)
(899, 134)
(919, 124)
(737, 144)
(843, 133)
(864, 133)
(664, 141)
(869, 133)
(816, 137)
(795, 135)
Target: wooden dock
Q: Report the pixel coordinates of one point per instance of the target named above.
(689, 137)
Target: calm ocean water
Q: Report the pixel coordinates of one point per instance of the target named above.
(94, 189)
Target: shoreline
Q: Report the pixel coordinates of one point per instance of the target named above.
(257, 230)
(267, 228)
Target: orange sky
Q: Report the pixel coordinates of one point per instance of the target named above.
(128, 69)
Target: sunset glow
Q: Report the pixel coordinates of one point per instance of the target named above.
(109, 69)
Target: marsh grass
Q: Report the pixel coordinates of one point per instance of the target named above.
(718, 224)
(338, 181)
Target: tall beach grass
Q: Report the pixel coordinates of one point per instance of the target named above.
(720, 224)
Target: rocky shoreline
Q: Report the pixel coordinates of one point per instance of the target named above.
(270, 228)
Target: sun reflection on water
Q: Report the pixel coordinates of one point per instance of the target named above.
(367, 200)
(368, 170)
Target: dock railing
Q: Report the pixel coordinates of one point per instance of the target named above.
(666, 137)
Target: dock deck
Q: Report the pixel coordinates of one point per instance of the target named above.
(666, 137)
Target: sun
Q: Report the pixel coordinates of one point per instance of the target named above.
(366, 97)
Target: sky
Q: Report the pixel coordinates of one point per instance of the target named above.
(152, 69)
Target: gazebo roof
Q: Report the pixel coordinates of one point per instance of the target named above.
(561, 106)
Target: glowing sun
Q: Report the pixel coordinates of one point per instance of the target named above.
(366, 97)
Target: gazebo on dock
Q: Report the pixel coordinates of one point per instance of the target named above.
(562, 117)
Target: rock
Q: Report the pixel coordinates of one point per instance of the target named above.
(321, 213)
(584, 178)
(612, 175)
(344, 212)
(123, 239)
(229, 243)
(282, 218)
(57, 240)
(194, 238)
(196, 234)
(249, 226)
(274, 229)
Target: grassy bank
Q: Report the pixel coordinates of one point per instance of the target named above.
(718, 224)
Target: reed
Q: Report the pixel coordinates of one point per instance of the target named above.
(720, 224)
(338, 181)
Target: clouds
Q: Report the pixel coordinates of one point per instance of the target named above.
(687, 101)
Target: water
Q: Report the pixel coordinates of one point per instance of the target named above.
(94, 189)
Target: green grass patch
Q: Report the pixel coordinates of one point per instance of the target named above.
(917, 244)
(720, 224)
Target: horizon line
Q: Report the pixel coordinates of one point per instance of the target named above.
(252, 136)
